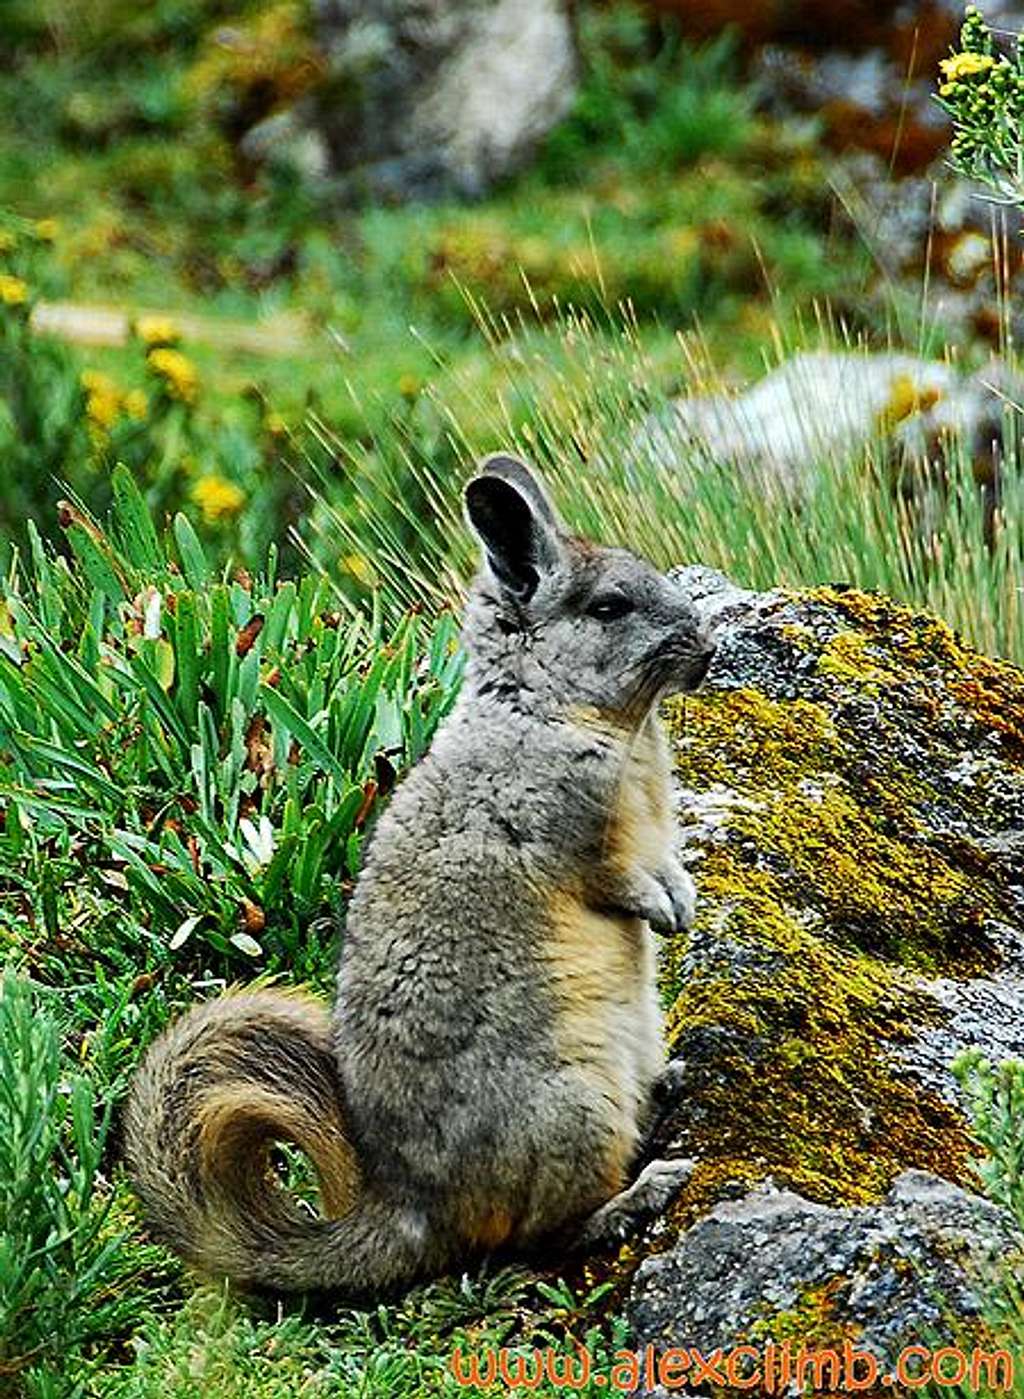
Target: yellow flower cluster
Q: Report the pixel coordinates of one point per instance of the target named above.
(13, 291)
(105, 402)
(179, 374)
(963, 65)
(154, 331)
(218, 498)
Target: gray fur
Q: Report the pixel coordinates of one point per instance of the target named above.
(494, 1073)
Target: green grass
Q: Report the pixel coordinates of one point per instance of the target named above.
(573, 404)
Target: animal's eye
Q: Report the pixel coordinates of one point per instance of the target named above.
(607, 607)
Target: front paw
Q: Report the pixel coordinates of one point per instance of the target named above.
(643, 895)
(681, 892)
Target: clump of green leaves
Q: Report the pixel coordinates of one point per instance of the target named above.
(983, 92)
(210, 750)
(648, 99)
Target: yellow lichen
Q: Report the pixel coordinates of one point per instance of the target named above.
(828, 887)
(810, 1321)
(905, 399)
(851, 655)
(801, 1087)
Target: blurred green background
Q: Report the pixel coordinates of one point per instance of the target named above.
(308, 337)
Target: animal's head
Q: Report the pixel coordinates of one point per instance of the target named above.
(567, 622)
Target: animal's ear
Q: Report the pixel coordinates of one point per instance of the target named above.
(516, 522)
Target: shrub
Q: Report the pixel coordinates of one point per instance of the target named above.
(63, 426)
(982, 89)
(647, 99)
(994, 1096)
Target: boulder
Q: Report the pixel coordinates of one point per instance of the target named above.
(425, 98)
(819, 405)
(851, 805)
(776, 1269)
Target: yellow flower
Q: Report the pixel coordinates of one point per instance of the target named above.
(103, 409)
(95, 382)
(157, 330)
(46, 230)
(136, 404)
(179, 374)
(13, 291)
(218, 498)
(963, 65)
(103, 404)
(275, 425)
(409, 385)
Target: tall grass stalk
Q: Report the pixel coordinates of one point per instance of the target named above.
(563, 398)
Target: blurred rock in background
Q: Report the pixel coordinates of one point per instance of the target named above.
(819, 404)
(424, 97)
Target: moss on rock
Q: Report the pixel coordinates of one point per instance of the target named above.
(844, 785)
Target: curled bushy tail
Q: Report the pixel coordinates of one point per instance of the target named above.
(212, 1095)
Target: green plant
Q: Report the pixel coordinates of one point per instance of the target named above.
(213, 748)
(648, 99)
(43, 423)
(63, 426)
(994, 1097)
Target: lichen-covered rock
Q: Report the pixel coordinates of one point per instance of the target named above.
(852, 809)
(427, 98)
(775, 1267)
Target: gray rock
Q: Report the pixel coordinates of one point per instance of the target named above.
(825, 404)
(851, 807)
(434, 97)
(890, 1274)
